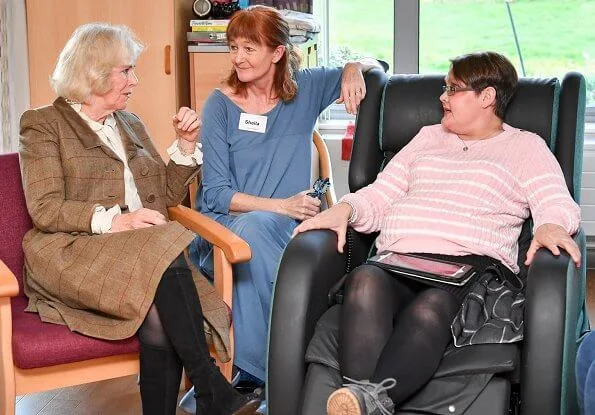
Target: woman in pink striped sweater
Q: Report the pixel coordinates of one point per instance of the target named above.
(463, 188)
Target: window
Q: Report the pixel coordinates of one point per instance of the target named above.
(356, 29)
(352, 30)
(541, 37)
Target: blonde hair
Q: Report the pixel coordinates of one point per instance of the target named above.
(265, 26)
(87, 60)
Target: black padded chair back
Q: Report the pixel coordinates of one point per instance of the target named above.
(395, 109)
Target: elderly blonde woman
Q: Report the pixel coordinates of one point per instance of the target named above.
(102, 257)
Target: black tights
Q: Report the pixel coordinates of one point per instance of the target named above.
(171, 337)
(390, 329)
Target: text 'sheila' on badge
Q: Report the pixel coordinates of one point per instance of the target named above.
(254, 123)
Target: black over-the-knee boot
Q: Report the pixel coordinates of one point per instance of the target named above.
(160, 376)
(160, 368)
(181, 314)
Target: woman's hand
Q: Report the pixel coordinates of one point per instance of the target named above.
(300, 206)
(142, 218)
(353, 87)
(553, 237)
(187, 125)
(335, 219)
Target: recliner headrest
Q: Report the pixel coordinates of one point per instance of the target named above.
(412, 101)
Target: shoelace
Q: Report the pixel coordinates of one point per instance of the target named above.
(373, 389)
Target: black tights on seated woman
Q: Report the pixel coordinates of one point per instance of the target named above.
(390, 329)
(172, 337)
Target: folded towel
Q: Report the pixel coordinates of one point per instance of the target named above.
(298, 32)
(301, 21)
(296, 40)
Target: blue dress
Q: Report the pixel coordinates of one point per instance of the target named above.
(274, 164)
(585, 374)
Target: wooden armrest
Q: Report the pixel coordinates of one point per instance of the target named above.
(9, 287)
(235, 248)
(325, 170)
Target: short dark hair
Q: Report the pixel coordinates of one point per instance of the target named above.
(483, 69)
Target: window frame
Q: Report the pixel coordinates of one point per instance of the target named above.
(405, 53)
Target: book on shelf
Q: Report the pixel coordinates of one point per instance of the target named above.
(213, 22)
(208, 36)
(219, 29)
(207, 42)
(207, 47)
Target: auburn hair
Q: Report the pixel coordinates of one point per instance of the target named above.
(265, 26)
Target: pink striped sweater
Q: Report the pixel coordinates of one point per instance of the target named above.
(433, 197)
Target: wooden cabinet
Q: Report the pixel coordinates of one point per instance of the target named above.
(209, 69)
(163, 68)
(207, 72)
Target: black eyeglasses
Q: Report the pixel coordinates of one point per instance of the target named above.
(452, 89)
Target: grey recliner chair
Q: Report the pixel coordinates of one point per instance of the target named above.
(535, 376)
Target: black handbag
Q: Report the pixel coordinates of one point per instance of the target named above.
(492, 311)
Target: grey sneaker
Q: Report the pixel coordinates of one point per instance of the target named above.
(362, 397)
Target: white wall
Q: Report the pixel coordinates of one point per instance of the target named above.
(18, 79)
(588, 189)
(340, 168)
(19, 70)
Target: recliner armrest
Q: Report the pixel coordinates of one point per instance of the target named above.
(358, 246)
(309, 267)
(9, 287)
(551, 314)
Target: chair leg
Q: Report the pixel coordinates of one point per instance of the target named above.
(226, 369)
(7, 376)
(7, 402)
(7, 386)
(187, 382)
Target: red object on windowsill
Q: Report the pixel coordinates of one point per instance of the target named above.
(347, 142)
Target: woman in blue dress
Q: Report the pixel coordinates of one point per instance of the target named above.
(256, 137)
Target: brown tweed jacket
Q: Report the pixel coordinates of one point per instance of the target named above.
(100, 285)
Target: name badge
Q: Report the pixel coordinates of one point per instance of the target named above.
(254, 123)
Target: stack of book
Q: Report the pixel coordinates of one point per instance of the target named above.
(207, 36)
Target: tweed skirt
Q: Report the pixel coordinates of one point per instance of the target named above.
(103, 285)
